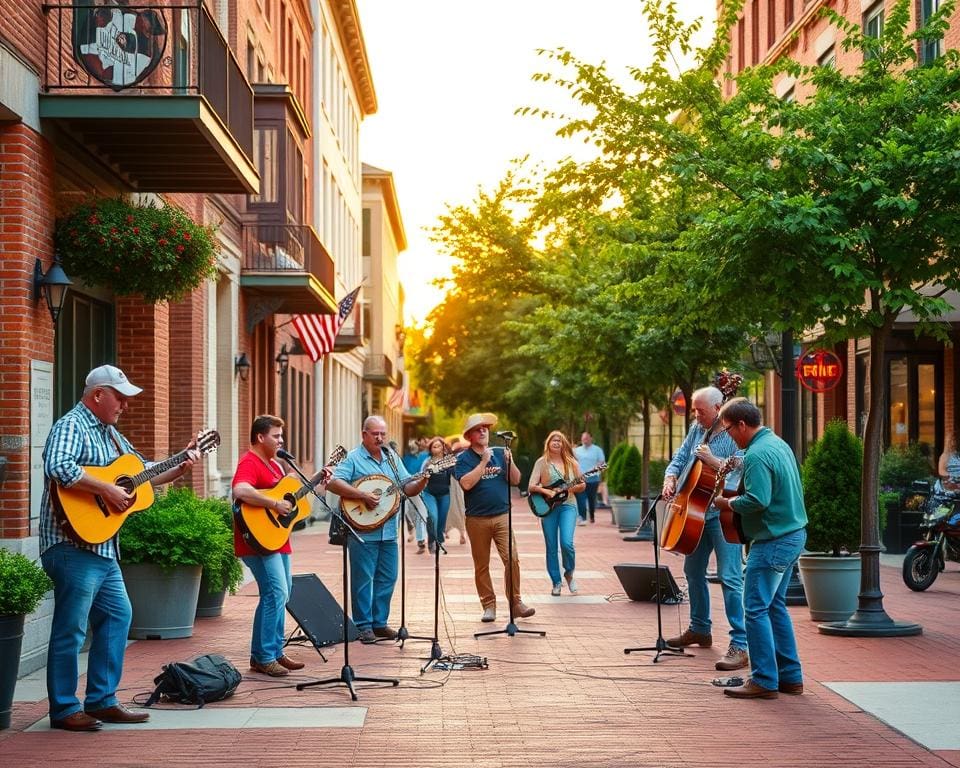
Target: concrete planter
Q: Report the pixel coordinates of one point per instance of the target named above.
(831, 585)
(11, 639)
(626, 512)
(209, 603)
(164, 601)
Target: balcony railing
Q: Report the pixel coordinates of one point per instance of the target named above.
(378, 369)
(154, 49)
(287, 248)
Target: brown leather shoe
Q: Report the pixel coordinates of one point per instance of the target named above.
(522, 611)
(388, 633)
(750, 690)
(118, 714)
(287, 662)
(734, 658)
(78, 721)
(272, 668)
(794, 689)
(691, 638)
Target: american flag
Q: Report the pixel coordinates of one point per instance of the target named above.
(318, 332)
(398, 400)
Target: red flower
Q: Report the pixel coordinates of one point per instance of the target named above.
(186, 236)
(179, 249)
(162, 241)
(130, 219)
(93, 219)
(136, 230)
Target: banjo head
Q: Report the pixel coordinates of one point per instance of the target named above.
(356, 511)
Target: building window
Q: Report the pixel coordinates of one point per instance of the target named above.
(755, 30)
(828, 58)
(873, 21)
(915, 410)
(929, 49)
(265, 158)
(787, 13)
(771, 22)
(741, 46)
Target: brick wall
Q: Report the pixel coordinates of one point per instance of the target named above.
(26, 330)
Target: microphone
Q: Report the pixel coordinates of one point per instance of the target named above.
(506, 435)
(286, 456)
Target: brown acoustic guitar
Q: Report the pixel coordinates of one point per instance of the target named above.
(87, 518)
(730, 522)
(267, 530)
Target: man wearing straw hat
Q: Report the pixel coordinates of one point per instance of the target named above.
(481, 472)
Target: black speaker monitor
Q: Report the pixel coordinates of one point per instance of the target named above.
(317, 613)
(640, 582)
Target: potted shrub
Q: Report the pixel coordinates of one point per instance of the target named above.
(215, 582)
(900, 504)
(629, 486)
(23, 584)
(155, 251)
(163, 552)
(830, 568)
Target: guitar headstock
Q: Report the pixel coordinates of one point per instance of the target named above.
(729, 465)
(339, 454)
(207, 440)
(727, 383)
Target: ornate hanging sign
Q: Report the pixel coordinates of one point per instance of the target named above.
(819, 370)
(117, 45)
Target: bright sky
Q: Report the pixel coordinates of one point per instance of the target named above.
(448, 76)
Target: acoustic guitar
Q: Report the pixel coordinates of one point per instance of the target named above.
(88, 519)
(267, 530)
(730, 522)
(388, 492)
(541, 506)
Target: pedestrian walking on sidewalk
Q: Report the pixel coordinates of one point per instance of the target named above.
(589, 456)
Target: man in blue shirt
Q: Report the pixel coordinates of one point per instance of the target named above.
(706, 441)
(373, 562)
(589, 456)
(481, 472)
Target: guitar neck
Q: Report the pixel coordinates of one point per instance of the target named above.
(159, 468)
(303, 490)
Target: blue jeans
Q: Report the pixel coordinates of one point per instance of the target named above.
(560, 524)
(85, 587)
(587, 500)
(773, 647)
(730, 573)
(419, 527)
(373, 574)
(437, 508)
(272, 573)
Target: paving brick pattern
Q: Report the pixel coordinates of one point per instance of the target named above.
(570, 699)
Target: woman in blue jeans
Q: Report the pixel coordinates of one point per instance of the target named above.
(558, 463)
(436, 496)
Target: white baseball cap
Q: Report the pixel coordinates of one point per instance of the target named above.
(113, 377)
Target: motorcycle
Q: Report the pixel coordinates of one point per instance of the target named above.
(941, 541)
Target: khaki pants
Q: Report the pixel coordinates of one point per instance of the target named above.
(482, 531)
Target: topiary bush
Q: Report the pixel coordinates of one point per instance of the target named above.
(613, 468)
(631, 473)
(901, 465)
(23, 583)
(179, 529)
(831, 490)
(658, 468)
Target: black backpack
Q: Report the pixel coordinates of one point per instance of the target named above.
(206, 678)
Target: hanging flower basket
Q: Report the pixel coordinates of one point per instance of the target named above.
(155, 251)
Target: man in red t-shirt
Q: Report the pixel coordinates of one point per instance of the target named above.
(259, 469)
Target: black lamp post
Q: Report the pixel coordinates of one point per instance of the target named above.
(282, 360)
(241, 366)
(52, 286)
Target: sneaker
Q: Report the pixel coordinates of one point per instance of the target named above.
(367, 637)
(421, 547)
(522, 611)
(734, 658)
(581, 521)
(571, 582)
(489, 614)
(386, 632)
(272, 668)
(555, 591)
(286, 661)
(691, 638)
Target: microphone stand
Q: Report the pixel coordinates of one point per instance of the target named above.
(347, 676)
(436, 653)
(661, 647)
(403, 633)
(511, 629)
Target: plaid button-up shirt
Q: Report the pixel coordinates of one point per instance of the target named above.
(78, 439)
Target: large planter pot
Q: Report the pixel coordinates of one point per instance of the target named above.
(164, 601)
(11, 638)
(831, 585)
(209, 603)
(626, 512)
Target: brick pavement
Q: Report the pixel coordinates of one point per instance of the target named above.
(571, 698)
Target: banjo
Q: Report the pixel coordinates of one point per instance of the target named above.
(388, 491)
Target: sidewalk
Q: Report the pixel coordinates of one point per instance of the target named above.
(571, 698)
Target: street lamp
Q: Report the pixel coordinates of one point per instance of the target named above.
(241, 366)
(282, 360)
(53, 286)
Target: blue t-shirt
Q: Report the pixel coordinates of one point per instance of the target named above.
(491, 495)
(588, 458)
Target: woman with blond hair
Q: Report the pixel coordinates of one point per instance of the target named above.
(559, 524)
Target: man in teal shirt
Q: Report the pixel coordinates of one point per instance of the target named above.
(771, 510)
